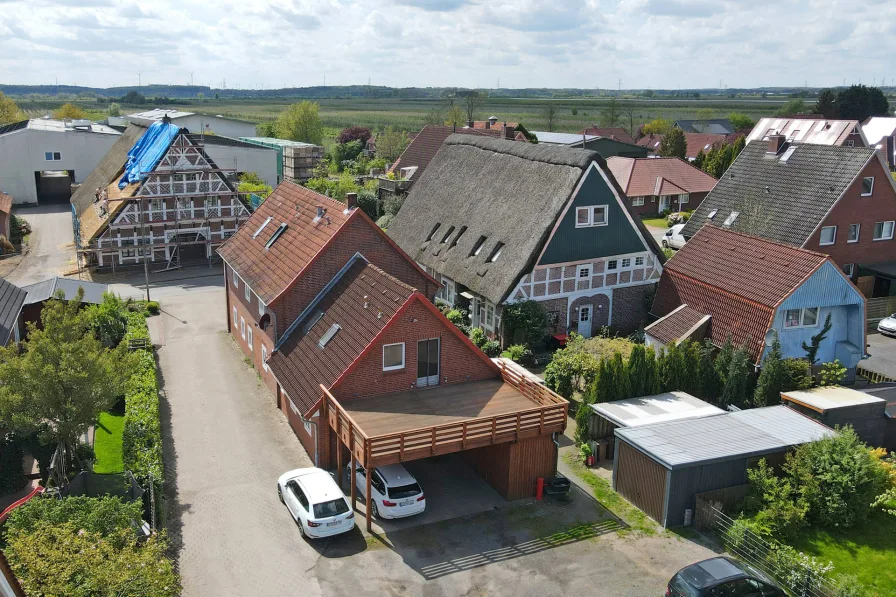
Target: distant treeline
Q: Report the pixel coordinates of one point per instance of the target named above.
(376, 92)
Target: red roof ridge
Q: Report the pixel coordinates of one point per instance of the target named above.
(335, 202)
(391, 277)
(715, 288)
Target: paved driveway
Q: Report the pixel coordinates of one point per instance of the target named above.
(883, 355)
(52, 245)
(226, 444)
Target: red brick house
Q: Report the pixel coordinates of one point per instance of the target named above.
(654, 185)
(837, 200)
(696, 142)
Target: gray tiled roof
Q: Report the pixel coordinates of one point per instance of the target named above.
(11, 300)
(729, 436)
(781, 200)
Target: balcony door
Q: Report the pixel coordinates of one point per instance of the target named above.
(428, 362)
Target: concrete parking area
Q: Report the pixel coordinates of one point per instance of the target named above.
(51, 249)
(226, 443)
(882, 351)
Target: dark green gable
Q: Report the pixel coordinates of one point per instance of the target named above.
(618, 237)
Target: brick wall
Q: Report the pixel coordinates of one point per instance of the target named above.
(652, 204)
(298, 427)
(600, 312)
(356, 236)
(630, 307)
(559, 308)
(457, 361)
(236, 300)
(866, 211)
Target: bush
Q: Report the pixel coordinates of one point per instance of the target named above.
(153, 307)
(367, 202)
(12, 456)
(678, 217)
(525, 322)
(491, 348)
(456, 316)
(478, 337)
(832, 373)
(384, 221)
(572, 368)
(109, 320)
(799, 374)
(392, 204)
(103, 515)
(517, 352)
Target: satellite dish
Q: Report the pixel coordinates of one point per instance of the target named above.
(770, 337)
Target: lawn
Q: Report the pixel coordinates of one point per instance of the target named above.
(107, 443)
(655, 222)
(867, 551)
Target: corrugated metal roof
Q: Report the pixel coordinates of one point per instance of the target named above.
(830, 397)
(660, 408)
(728, 436)
(11, 300)
(561, 138)
(46, 289)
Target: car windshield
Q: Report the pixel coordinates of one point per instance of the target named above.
(404, 491)
(331, 508)
(678, 587)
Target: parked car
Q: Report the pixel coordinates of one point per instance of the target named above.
(887, 326)
(721, 577)
(394, 492)
(315, 502)
(673, 238)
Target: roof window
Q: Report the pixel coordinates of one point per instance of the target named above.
(329, 335)
(447, 234)
(433, 231)
(277, 234)
(713, 213)
(788, 153)
(496, 252)
(262, 227)
(730, 219)
(477, 248)
(313, 322)
(457, 237)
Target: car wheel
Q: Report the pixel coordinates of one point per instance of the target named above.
(374, 510)
(665, 245)
(280, 494)
(301, 529)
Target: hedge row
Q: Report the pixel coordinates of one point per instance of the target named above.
(142, 436)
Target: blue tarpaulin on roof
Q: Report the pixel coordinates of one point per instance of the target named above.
(147, 151)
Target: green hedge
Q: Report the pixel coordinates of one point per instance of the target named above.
(142, 437)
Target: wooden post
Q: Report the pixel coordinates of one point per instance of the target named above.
(351, 475)
(369, 472)
(339, 450)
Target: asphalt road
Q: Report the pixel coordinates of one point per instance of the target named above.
(883, 355)
(51, 244)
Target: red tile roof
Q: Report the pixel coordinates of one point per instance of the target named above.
(270, 271)
(484, 124)
(362, 303)
(696, 142)
(658, 176)
(737, 279)
(427, 143)
(617, 133)
(5, 203)
(677, 325)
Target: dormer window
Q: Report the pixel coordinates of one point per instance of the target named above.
(432, 232)
(496, 252)
(713, 213)
(730, 219)
(457, 237)
(447, 235)
(477, 248)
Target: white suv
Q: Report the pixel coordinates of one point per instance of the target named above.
(394, 492)
(315, 502)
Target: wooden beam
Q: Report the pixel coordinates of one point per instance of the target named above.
(351, 474)
(369, 472)
(339, 452)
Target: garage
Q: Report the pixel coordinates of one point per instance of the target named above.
(54, 186)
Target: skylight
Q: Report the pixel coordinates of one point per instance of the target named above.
(447, 234)
(478, 246)
(329, 335)
(496, 252)
(277, 234)
(313, 321)
(433, 232)
(457, 237)
(713, 213)
(262, 227)
(730, 219)
(788, 153)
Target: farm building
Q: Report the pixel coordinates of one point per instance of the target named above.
(40, 292)
(296, 161)
(836, 406)
(659, 468)
(195, 123)
(12, 298)
(606, 146)
(646, 410)
(40, 159)
(239, 157)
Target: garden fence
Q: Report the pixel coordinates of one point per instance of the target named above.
(795, 572)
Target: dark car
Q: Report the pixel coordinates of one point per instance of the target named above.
(721, 577)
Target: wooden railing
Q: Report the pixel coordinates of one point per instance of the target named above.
(530, 389)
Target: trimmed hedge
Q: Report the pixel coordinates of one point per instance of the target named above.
(142, 437)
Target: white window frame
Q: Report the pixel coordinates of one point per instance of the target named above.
(236, 279)
(261, 305)
(821, 240)
(590, 221)
(869, 193)
(858, 228)
(802, 318)
(625, 263)
(247, 292)
(242, 327)
(52, 157)
(584, 268)
(683, 198)
(235, 317)
(883, 224)
(732, 217)
(639, 261)
(394, 367)
(249, 336)
(490, 311)
(638, 201)
(613, 265)
(264, 358)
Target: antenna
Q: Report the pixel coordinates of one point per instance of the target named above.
(138, 80)
(191, 77)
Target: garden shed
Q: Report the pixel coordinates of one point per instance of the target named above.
(659, 468)
(645, 410)
(838, 406)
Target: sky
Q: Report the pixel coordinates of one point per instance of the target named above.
(638, 44)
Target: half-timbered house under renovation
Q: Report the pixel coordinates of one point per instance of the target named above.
(156, 194)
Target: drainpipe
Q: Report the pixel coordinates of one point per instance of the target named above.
(557, 446)
(313, 424)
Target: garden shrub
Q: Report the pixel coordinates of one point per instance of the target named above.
(491, 348)
(368, 203)
(478, 337)
(103, 515)
(456, 316)
(12, 477)
(392, 204)
(109, 320)
(799, 374)
(525, 322)
(572, 368)
(517, 352)
(153, 307)
(384, 221)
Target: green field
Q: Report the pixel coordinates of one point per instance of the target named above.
(411, 114)
(107, 443)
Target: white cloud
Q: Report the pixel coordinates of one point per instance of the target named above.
(472, 43)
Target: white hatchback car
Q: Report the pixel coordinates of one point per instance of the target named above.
(394, 492)
(315, 502)
(887, 325)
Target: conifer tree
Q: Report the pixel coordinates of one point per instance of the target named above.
(723, 361)
(637, 370)
(621, 383)
(652, 381)
(710, 387)
(739, 379)
(773, 379)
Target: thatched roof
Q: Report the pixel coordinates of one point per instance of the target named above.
(505, 191)
(111, 164)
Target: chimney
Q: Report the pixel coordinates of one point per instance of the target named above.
(775, 143)
(470, 123)
(351, 200)
(488, 124)
(508, 132)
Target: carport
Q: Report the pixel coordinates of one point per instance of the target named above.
(54, 186)
(503, 428)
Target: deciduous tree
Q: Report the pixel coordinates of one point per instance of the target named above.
(610, 116)
(353, 133)
(301, 122)
(794, 107)
(390, 144)
(741, 121)
(657, 126)
(674, 144)
(472, 100)
(859, 102)
(826, 105)
(9, 111)
(69, 111)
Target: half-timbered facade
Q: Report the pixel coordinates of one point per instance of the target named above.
(168, 202)
(498, 222)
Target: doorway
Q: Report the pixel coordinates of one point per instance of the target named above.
(585, 312)
(54, 186)
(428, 362)
(665, 203)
